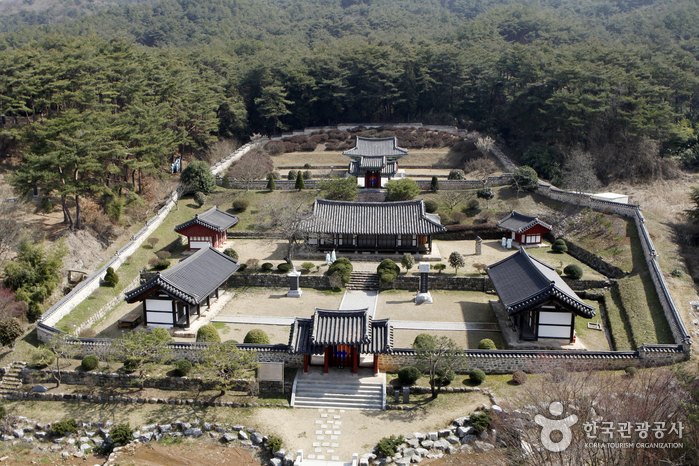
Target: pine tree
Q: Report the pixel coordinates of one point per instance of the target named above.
(299, 182)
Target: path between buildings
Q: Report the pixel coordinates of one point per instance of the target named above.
(262, 320)
(360, 299)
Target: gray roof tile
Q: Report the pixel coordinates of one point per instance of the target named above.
(372, 218)
(355, 168)
(523, 282)
(192, 279)
(519, 222)
(213, 218)
(376, 146)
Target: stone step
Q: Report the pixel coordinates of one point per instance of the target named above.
(339, 391)
(338, 404)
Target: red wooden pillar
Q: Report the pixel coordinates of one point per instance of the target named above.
(326, 360)
(355, 360)
(305, 363)
(376, 364)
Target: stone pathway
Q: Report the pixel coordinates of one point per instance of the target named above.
(327, 435)
(418, 325)
(358, 299)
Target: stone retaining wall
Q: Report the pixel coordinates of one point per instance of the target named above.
(101, 379)
(482, 284)
(593, 261)
(273, 280)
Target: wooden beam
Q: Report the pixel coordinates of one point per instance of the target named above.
(305, 362)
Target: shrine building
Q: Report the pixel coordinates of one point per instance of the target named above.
(524, 230)
(207, 229)
(374, 159)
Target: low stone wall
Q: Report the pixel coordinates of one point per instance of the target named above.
(440, 282)
(100, 379)
(593, 261)
(448, 185)
(507, 362)
(274, 280)
(283, 185)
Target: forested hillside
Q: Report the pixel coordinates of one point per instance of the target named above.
(609, 85)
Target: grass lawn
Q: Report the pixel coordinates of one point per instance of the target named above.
(594, 340)
(618, 321)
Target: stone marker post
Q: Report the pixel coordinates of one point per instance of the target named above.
(423, 295)
(396, 394)
(294, 288)
(479, 245)
(406, 395)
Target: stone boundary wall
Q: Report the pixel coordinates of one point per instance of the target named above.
(282, 185)
(348, 126)
(109, 306)
(508, 362)
(85, 288)
(482, 284)
(103, 379)
(595, 262)
(274, 280)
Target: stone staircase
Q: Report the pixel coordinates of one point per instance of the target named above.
(372, 195)
(364, 281)
(349, 392)
(12, 380)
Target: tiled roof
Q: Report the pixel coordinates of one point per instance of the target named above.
(523, 282)
(355, 168)
(213, 218)
(372, 218)
(331, 327)
(341, 327)
(376, 146)
(519, 222)
(372, 162)
(192, 279)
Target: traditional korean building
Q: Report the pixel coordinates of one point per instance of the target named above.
(524, 229)
(207, 229)
(380, 227)
(539, 303)
(175, 297)
(374, 158)
(340, 339)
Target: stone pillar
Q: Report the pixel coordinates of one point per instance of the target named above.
(397, 396)
(406, 395)
(479, 245)
(294, 288)
(423, 295)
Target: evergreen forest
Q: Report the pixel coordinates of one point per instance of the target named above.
(116, 89)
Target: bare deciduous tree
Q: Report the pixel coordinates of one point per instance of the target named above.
(579, 172)
(251, 167)
(450, 198)
(285, 219)
(219, 151)
(482, 168)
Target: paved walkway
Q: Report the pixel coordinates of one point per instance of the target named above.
(262, 320)
(359, 299)
(418, 325)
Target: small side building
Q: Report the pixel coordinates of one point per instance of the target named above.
(539, 303)
(175, 297)
(380, 227)
(207, 229)
(523, 229)
(374, 159)
(340, 339)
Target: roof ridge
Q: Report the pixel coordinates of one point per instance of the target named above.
(529, 259)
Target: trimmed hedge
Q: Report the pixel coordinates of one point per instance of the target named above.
(408, 375)
(257, 336)
(208, 334)
(89, 362)
(342, 265)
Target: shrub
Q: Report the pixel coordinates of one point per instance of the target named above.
(307, 166)
(241, 205)
(274, 443)
(153, 242)
(284, 267)
(525, 178)
(299, 182)
(275, 175)
(242, 267)
(10, 330)
(519, 378)
(387, 446)
(457, 175)
(559, 246)
(307, 175)
(343, 266)
(439, 267)
(225, 182)
(471, 205)
(423, 340)
(408, 375)
(208, 334)
(387, 271)
(161, 264)
(89, 362)
(182, 367)
(408, 261)
(121, 434)
(307, 266)
(271, 185)
(199, 198)
(477, 376)
(257, 336)
(61, 428)
(434, 184)
(111, 278)
(402, 190)
(252, 263)
(573, 271)
(163, 254)
(274, 147)
(267, 267)
(445, 377)
(197, 177)
(631, 371)
(292, 175)
(481, 421)
(162, 334)
(431, 206)
(486, 344)
(230, 252)
(558, 374)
